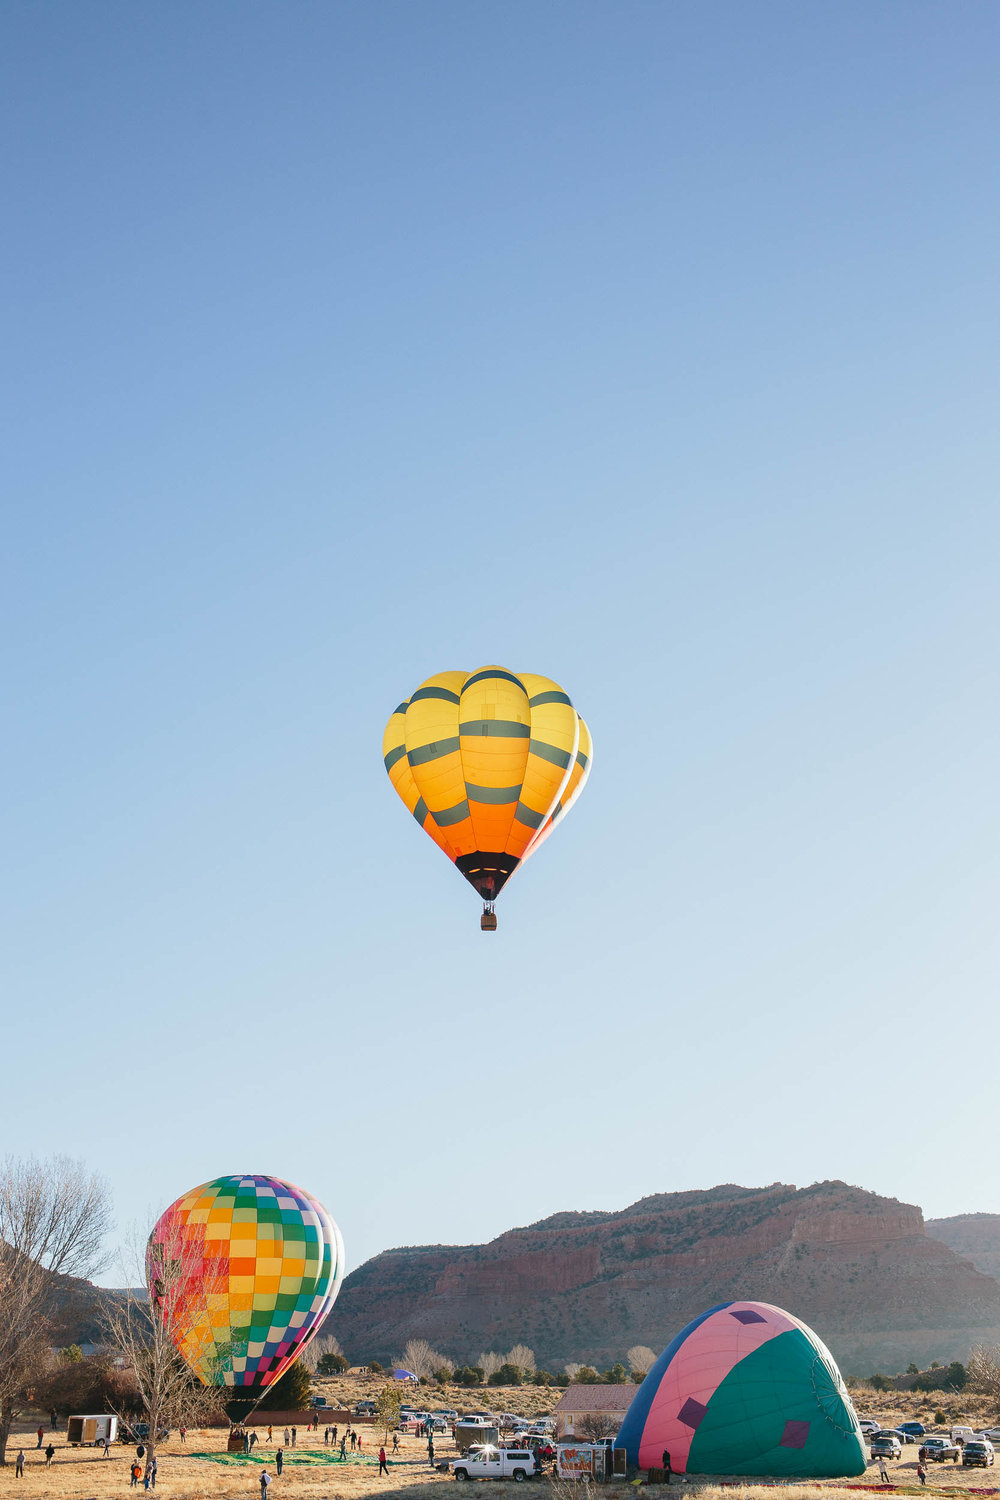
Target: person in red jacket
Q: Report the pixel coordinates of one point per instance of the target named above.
(40, 1434)
(383, 1467)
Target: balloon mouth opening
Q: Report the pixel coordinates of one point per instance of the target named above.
(487, 873)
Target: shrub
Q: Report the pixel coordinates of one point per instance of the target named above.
(468, 1375)
(332, 1364)
(617, 1375)
(587, 1375)
(374, 1367)
(940, 1416)
(290, 1393)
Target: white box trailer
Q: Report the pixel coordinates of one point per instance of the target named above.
(83, 1432)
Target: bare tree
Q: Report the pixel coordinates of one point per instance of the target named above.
(54, 1216)
(641, 1359)
(572, 1370)
(596, 1425)
(522, 1357)
(983, 1366)
(149, 1334)
(490, 1363)
(326, 1343)
(421, 1359)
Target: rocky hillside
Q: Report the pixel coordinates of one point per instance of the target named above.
(974, 1236)
(861, 1269)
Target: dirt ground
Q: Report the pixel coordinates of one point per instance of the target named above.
(201, 1468)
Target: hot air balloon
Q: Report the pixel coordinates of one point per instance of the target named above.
(745, 1389)
(241, 1272)
(487, 762)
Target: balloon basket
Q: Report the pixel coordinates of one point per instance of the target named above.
(488, 920)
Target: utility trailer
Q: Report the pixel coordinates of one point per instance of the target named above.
(84, 1432)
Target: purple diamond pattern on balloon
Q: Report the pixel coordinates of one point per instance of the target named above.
(795, 1435)
(746, 1316)
(692, 1412)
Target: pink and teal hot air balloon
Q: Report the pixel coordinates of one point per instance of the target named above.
(745, 1389)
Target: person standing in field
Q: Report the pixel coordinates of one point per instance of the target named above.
(19, 1464)
(152, 1473)
(883, 1472)
(279, 1459)
(343, 1448)
(395, 1442)
(430, 1450)
(50, 1454)
(666, 1466)
(265, 1480)
(383, 1467)
(921, 1473)
(184, 1434)
(136, 1475)
(40, 1435)
(359, 1442)
(288, 1438)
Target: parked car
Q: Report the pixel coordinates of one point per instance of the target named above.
(885, 1445)
(916, 1429)
(540, 1444)
(938, 1449)
(905, 1436)
(977, 1454)
(993, 1433)
(496, 1463)
(961, 1434)
(868, 1426)
(364, 1408)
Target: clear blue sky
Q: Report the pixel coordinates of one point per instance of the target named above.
(649, 346)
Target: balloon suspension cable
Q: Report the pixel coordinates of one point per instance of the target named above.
(488, 920)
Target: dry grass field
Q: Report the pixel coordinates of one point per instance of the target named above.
(312, 1473)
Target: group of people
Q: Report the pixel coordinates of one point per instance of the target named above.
(19, 1460)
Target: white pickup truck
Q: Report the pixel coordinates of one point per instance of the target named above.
(496, 1463)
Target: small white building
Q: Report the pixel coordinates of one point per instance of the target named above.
(607, 1404)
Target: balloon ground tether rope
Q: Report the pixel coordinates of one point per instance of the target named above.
(488, 920)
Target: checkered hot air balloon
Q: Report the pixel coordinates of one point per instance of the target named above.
(487, 762)
(745, 1389)
(242, 1272)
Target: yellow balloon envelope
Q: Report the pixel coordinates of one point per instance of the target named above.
(487, 762)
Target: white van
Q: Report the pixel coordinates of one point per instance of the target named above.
(496, 1463)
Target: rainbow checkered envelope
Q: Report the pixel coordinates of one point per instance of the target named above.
(242, 1272)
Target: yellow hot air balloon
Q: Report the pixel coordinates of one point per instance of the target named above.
(487, 762)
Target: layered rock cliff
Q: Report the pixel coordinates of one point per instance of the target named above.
(976, 1237)
(860, 1269)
